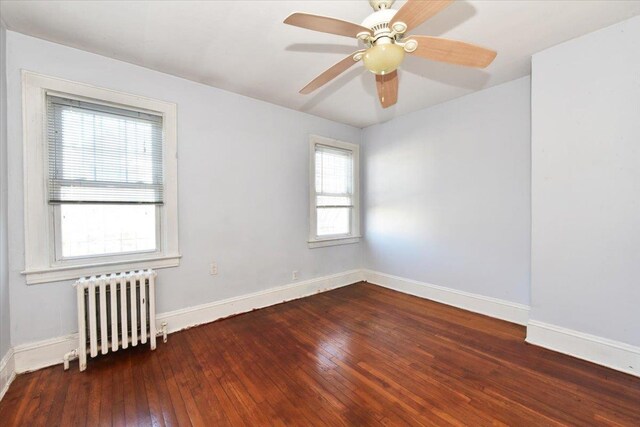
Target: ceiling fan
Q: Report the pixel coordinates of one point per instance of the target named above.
(383, 33)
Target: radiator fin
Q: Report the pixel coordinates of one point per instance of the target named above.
(93, 327)
(143, 309)
(103, 318)
(123, 313)
(134, 311)
(113, 288)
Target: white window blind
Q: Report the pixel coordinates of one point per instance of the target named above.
(103, 155)
(334, 190)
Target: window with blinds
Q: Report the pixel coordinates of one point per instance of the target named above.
(105, 177)
(334, 191)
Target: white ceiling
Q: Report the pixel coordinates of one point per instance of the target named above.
(242, 46)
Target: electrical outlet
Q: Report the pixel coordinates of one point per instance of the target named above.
(294, 275)
(213, 268)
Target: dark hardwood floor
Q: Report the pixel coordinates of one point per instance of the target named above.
(359, 355)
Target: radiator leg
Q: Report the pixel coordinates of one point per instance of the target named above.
(73, 354)
(82, 359)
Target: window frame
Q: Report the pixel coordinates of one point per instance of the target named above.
(41, 263)
(353, 236)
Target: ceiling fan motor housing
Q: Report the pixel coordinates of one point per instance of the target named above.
(378, 22)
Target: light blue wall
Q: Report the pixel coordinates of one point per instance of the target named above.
(586, 184)
(447, 194)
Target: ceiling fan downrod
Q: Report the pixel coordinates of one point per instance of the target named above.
(381, 4)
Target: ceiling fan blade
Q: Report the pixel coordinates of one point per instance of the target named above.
(325, 24)
(415, 12)
(331, 73)
(453, 51)
(387, 86)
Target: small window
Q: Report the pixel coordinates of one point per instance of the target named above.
(100, 181)
(334, 192)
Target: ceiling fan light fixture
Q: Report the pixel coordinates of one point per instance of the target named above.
(384, 58)
(383, 34)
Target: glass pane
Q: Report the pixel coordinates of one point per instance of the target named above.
(87, 230)
(334, 171)
(334, 221)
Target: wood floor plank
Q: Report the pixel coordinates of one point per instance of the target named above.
(118, 417)
(160, 408)
(162, 367)
(49, 396)
(27, 387)
(95, 397)
(37, 403)
(359, 355)
(106, 402)
(129, 396)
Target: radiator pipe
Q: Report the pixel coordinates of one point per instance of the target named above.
(163, 331)
(73, 354)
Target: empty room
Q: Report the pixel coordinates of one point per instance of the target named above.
(320, 213)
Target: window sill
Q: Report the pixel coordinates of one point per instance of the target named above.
(333, 242)
(60, 273)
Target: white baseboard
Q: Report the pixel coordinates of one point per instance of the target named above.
(494, 307)
(38, 355)
(7, 372)
(205, 313)
(612, 354)
(29, 357)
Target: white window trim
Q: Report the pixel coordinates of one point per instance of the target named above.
(40, 264)
(320, 242)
